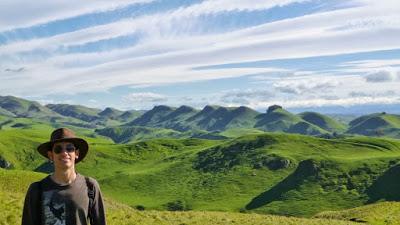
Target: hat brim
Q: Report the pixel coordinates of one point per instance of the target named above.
(79, 143)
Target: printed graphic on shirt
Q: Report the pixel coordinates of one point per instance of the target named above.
(54, 208)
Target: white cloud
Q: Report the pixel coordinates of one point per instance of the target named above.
(144, 97)
(244, 97)
(380, 76)
(372, 64)
(321, 102)
(166, 56)
(20, 13)
(306, 85)
(165, 24)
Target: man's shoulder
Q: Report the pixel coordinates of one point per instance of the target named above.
(38, 184)
(89, 180)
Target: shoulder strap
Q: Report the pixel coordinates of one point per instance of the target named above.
(91, 195)
(39, 201)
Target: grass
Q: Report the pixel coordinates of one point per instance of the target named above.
(383, 213)
(285, 174)
(14, 184)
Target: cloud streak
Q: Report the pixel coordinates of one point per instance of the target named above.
(169, 49)
(19, 13)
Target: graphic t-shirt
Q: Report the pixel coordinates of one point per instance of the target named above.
(63, 204)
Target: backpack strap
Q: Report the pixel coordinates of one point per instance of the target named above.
(91, 195)
(39, 201)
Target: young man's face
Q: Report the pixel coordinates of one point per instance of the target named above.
(63, 154)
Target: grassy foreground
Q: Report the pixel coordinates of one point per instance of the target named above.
(383, 213)
(13, 185)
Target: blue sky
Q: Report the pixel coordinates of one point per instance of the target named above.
(328, 56)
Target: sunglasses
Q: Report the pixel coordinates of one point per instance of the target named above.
(68, 147)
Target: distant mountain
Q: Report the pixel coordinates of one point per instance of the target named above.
(153, 117)
(210, 118)
(306, 128)
(111, 113)
(210, 122)
(323, 121)
(136, 133)
(7, 113)
(310, 123)
(130, 115)
(377, 124)
(76, 111)
(218, 118)
(276, 119)
(13, 106)
(177, 119)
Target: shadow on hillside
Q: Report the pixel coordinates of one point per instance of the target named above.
(306, 168)
(46, 167)
(387, 186)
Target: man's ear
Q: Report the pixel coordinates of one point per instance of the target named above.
(77, 154)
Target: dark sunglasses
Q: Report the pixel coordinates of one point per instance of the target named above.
(59, 148)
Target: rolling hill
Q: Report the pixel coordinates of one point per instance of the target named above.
(323, 121)
(267, 173)
(13, 106)
(119, 214)
(211, 122)
(377, 124)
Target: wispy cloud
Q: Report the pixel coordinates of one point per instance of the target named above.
(169, 47)
(19, 13)
(143, 97)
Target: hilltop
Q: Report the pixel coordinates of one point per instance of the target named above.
(211, 122)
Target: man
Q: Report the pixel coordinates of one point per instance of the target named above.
(64, 197)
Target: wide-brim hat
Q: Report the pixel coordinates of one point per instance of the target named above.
(67, 135)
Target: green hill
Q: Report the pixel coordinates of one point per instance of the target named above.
(124, 134)
(205, 123)
(323, 121)
(152, 117)
(377, 124)
(281, 174)
(210, 118)
(217, 118)
(76, 111)
(110, 113)
(11, 203)
(176, 119)
(23, 108)
(129, 115)
(276, 119)
(7, 113)
(306, 129)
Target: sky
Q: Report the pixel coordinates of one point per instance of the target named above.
(328, 56)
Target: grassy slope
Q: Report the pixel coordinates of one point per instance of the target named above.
(17, 145)
(383, 213)
(124, 134)
(165, 171)
(277, 120)
(323, 121)
(377, 124)
(281, 120)
(206, 174)
(14, 183)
